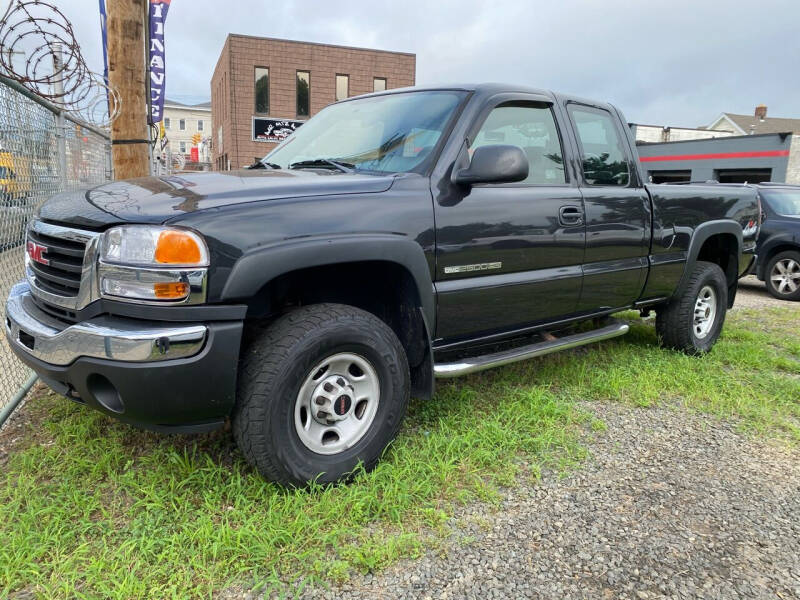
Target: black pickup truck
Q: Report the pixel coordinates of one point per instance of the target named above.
(392, 239)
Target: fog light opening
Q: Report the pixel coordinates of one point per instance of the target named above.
(104, 392)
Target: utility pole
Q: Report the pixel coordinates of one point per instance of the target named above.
(127, 72)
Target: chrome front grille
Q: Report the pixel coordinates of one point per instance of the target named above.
(62, 273)
(59, 266)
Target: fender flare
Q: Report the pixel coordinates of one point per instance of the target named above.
(701, 234)
(263, 264)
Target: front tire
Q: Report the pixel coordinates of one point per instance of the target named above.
(783, 276)
(321, 390)
(692, 322)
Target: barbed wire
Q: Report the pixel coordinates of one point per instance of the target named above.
(39, 50)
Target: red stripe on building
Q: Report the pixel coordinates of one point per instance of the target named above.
(718, 155)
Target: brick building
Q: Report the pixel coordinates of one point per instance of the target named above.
(264, 88)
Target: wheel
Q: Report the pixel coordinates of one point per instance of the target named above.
(320, 390)
(783, 275)
(693, 321)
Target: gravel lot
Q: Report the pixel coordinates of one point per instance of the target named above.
(753, 293)
(670, 505)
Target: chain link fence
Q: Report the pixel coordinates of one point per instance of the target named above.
(43, 151)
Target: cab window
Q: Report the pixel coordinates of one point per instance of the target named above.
(603, 155)
(531, 127)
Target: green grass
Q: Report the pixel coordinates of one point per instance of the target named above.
(90, 508)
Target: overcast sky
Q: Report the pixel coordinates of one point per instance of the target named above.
(670, 62)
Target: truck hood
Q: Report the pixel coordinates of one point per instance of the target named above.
(159, 199)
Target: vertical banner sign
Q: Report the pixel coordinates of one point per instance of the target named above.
(104, 34)
(158, 15)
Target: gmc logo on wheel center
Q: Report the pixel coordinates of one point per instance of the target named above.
(36, 253)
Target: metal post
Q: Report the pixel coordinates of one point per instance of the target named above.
(6, 411)
(61, 128)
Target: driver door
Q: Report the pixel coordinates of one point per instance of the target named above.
(509, 255)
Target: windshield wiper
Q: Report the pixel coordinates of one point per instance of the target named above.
(260, 164)
(344, 167)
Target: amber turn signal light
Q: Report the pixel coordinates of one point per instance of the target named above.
(171, 291)
(177, 248)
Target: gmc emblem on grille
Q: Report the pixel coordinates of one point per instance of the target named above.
(36, 253)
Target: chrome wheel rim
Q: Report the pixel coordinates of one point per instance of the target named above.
(337, 403)
(705, 311)
(785, 276)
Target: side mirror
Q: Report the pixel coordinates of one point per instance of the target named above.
(494, 164)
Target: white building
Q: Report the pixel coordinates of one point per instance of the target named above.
(182, 122)
(755, 124)
(655, 134)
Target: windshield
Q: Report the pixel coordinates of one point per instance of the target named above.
(783, 202)
(391, 134)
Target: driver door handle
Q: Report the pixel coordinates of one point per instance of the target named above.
(570, 216)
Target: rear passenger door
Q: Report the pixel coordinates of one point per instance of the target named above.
(616, 207)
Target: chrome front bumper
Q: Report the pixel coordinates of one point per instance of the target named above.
(32, 331)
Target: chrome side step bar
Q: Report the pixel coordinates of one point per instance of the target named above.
(489, 361)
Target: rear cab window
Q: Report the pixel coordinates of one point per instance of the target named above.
(604, 157)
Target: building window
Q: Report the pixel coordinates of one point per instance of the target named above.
(166, 122)
(303, 93)
(182, 124)
(379, 84)
(342, 86)
(262, 90)
(200, 125)
(183, 147)
(745, 175)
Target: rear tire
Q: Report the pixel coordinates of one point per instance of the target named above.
(321, 390)
(783, 274)
(692, 322)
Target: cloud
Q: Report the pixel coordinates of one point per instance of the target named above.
(673, 62)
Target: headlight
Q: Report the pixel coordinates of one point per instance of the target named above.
(153, 246)
(140, 262)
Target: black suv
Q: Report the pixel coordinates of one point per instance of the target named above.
(779, 241)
